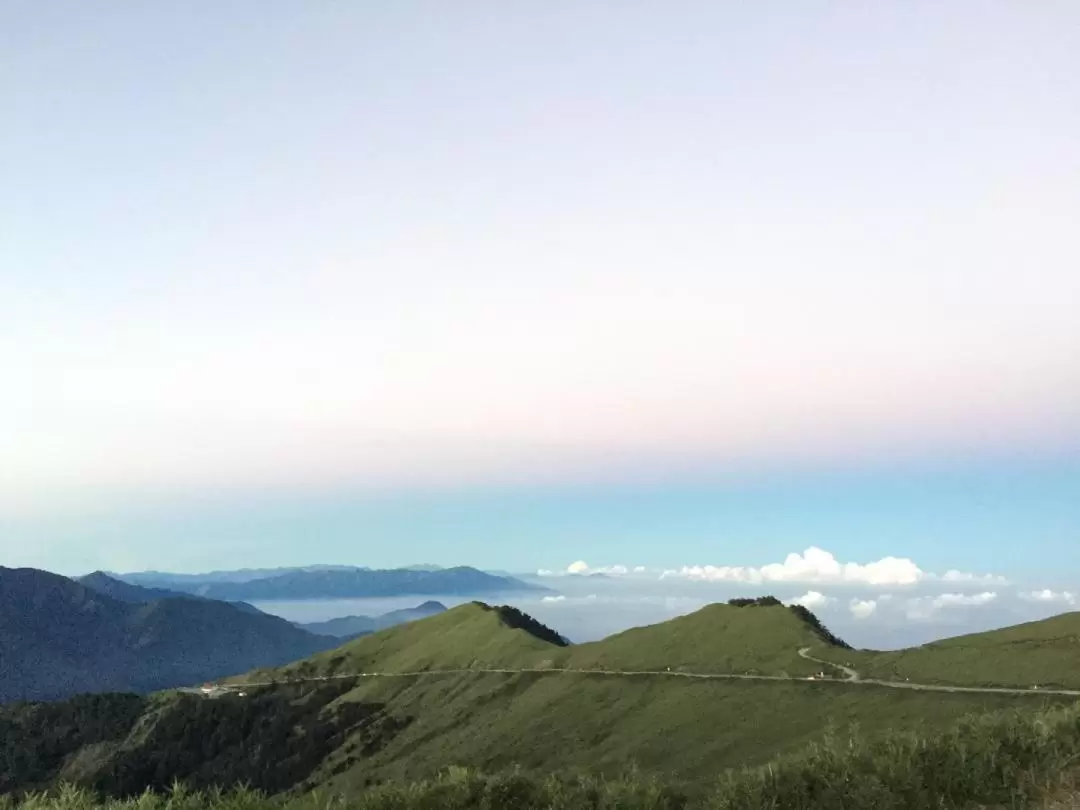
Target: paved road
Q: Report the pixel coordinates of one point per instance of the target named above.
(851, 678)
(849, 674)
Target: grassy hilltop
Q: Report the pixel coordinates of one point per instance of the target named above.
(757, 638)
(761, 637)
(471, 635)
(574, 710)
(1044, 653)
(596, 723)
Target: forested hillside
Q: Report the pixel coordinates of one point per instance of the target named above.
(59, 638)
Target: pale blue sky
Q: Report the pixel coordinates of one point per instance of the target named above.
(284, 256)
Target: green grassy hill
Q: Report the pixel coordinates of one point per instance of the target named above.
(1046, 653)
(344, 734)
(473, 635)
(755, 639)
(596, 723)
(726, 639)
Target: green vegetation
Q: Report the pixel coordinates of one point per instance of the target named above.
(121, 745)
(36, 739)
(754, 636)
(594, 723)
(1044, 653)
(763, 638)
(583, 712)
(686, 729)
(1010, 759)
(804, 614)
(471, 635)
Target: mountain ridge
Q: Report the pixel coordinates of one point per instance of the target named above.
(60, 637)
(352, 583)
(140, 594)
(344, 626)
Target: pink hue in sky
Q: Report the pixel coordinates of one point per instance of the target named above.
(446, 245)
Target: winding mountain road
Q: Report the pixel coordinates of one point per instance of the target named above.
(851, 678)
(849, 674)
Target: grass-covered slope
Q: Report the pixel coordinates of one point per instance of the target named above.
(688, 729)
(1044, 653)
(1017, 760)
(757, 638)
(733, 639)
(596, 723)
(473, 635)
(549, 717)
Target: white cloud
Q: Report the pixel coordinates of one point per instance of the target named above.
(582, 568)
(926, 607)
(1049, 596)
(862, 608)
(964, 600)
(955, 576)
(559, 598)
(812, 600)
(815, 565)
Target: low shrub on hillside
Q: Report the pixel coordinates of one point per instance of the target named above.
(519, 620)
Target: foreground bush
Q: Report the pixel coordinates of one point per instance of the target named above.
(1007, 760)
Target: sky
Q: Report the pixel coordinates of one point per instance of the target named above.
(663, 285)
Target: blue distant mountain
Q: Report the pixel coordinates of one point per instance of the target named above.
(348, 626)
(140, 595)
(330, 582)
(164, 579)
(59, 637)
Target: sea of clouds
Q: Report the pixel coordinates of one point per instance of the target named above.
(882, 604)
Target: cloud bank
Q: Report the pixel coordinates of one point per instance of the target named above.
(1050, 597)
(883, 603)
(814, 566)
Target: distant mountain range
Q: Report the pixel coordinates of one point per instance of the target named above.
(352, 626)
(60, 637)
(139, 595)
(330, 582)
(164, 579)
